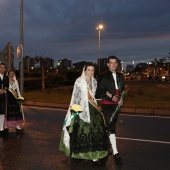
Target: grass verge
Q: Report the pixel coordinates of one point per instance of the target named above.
(142, 94)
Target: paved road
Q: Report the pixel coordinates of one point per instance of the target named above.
(144, 143)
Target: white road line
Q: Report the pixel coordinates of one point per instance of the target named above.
(132, 139)
(130, 115)
(143, 140)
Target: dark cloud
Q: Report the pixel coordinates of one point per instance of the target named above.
(134, 29)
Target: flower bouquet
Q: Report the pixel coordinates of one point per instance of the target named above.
(117, 110)
(20, 98)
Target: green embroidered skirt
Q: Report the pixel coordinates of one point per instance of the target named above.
(87, 140)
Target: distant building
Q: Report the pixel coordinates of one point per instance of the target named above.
(129, 68)
(64, 64)
(2, 57)
(29, 63)
(79, 66)
(36, 63)
(140, 66)
(48, 64)
(7, 56)
(104, 67)
(103, 64)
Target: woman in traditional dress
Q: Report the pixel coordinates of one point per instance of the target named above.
(89, 139)
(14, 116)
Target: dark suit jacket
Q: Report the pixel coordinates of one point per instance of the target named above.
(5, 84)
(106, 83)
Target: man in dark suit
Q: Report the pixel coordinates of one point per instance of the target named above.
(109, 88)
(4, 84)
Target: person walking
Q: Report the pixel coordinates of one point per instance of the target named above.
(4, 85)
(89, 139)
(14, 116)
(110, 85)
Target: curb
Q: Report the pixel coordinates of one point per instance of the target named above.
(153, 112)
(54, 105)
(135, 111)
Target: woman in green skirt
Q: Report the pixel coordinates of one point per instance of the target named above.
(84, 135)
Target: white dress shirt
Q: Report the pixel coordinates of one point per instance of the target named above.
(1, 76)
(114, 76)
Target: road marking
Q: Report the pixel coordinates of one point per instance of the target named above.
(132, 139)
(130, 115)
(143, 140)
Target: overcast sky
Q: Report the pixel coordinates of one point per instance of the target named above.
(136, 30)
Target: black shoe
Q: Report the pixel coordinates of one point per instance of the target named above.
(19, 130)
(118, 158)
(95, 162)
(6, 129)
(3, 133)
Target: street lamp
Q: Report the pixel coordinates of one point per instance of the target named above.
(100, 27)
(22, 45)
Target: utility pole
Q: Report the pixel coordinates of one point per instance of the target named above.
(99, 28)
(22, 44)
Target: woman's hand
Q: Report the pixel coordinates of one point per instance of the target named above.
(108, 94)
(115, 98)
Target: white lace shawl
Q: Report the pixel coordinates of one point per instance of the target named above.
(15, 86)
(80, 96)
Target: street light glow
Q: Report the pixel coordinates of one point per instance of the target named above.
(100, 27)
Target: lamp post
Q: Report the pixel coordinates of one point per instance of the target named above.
(99, 28)
(22, 44)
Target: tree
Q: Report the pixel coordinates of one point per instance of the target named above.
(41, 60)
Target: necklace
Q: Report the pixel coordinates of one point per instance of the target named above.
(89, 85)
